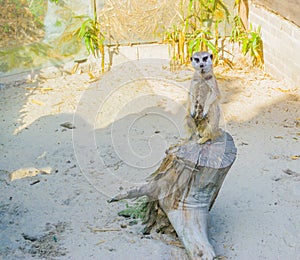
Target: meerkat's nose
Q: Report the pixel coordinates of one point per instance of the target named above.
(201, 65)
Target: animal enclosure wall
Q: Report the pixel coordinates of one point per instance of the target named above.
(37, 33)
(41, 32)
(280, 33)
(287, 9)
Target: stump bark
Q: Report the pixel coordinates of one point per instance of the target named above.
(183, 190)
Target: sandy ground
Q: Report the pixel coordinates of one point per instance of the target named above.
(55, 180)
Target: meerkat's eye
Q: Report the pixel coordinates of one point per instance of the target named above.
(205, 58)
(197, 60)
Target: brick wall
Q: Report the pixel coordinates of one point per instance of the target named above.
(281, 40)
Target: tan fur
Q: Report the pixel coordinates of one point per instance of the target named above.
(204, 108)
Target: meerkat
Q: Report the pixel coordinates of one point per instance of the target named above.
(204, 95)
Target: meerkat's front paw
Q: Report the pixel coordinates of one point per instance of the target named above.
(204, 113)
(193, 113)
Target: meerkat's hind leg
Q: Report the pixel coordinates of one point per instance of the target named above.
(205, 133)
(210, 135)
(203, 140)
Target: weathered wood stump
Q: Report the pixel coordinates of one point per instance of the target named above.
(184, 189)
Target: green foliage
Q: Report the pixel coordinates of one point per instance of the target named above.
(93, 36)
(38, 9)
(6, 28)
(198, 29)
(58, 23)
(137, 211)
(237, 29)
(250, 40)
(90, 32)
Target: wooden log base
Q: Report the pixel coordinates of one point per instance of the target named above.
(184, 188)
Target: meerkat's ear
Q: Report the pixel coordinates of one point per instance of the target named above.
(191, 59)
(211, 56)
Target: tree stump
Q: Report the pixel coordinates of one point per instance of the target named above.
(184, 188)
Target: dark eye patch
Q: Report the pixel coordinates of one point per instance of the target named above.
(197, 60)
(205, 58)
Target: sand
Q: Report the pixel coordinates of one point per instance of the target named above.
(70, 141)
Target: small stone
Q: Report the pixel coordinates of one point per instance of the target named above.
(68, 125)
(123, 225)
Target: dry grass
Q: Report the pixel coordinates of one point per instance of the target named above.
(138, 21)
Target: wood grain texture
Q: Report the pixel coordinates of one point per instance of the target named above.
(184, 188)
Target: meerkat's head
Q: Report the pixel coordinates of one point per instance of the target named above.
(202, 61)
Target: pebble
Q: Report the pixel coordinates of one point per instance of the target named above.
(123, 225)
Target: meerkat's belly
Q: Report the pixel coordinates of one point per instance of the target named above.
(201, 95)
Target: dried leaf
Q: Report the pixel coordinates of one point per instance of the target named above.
(45, 89)
(295, 157)
(34, 101)
(93, 80)
(100, 242)
(74, 69)
(28, 172)
(283, 90)
(94, 230)
(59, 103)
(91, 75)
(82, 60)
(40, 89)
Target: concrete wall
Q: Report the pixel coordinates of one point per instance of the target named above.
(287, 9)
(281, 40)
